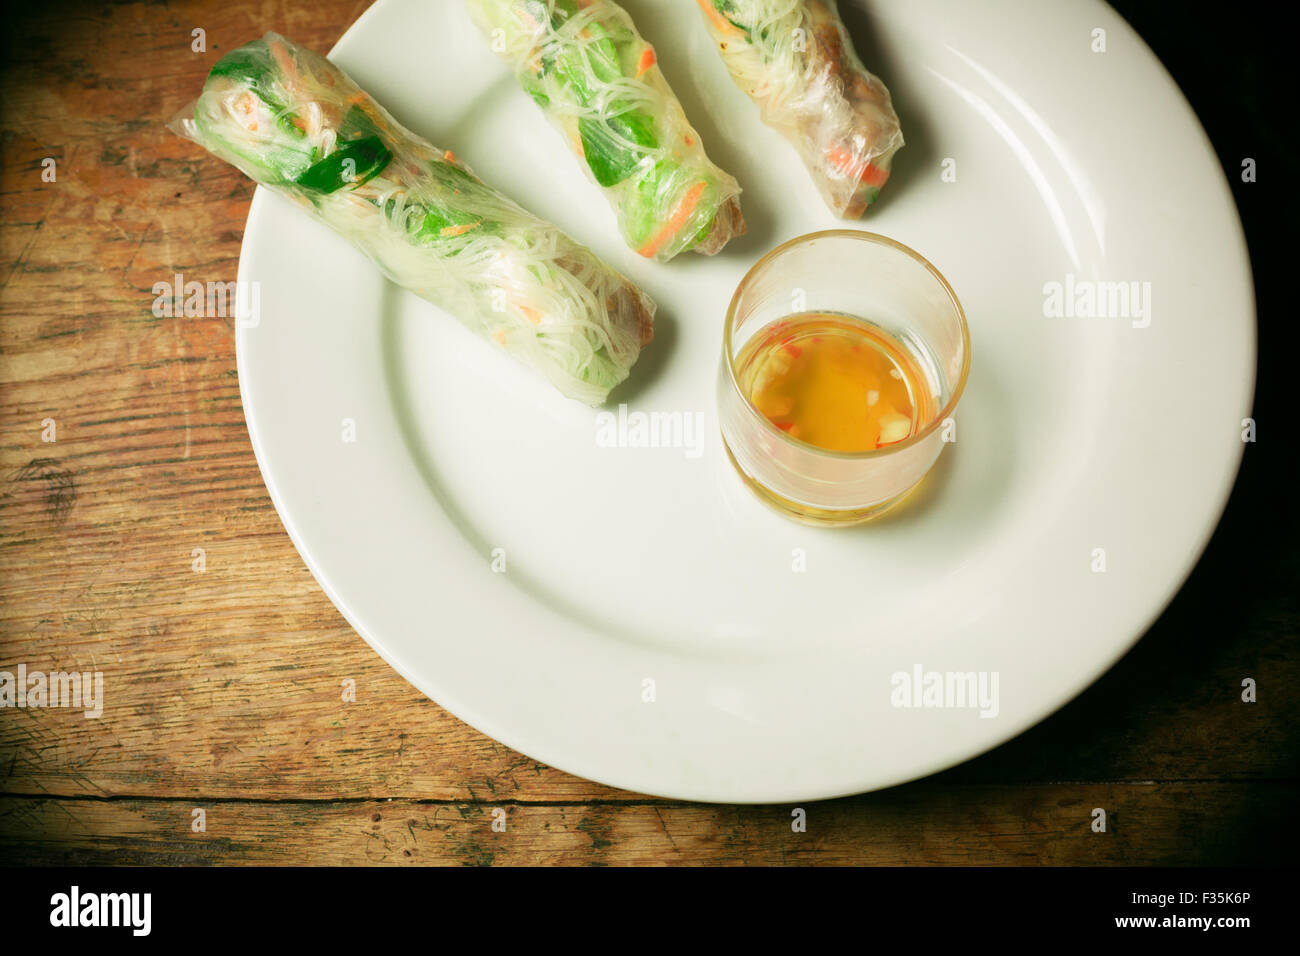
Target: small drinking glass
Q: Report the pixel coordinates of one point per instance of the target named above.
(851, 276)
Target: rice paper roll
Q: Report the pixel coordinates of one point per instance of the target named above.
(795, 59)
(598, 81)
(297, 124)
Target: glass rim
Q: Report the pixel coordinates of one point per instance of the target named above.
(863, 235)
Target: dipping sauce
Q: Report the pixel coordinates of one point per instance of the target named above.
(835, 382)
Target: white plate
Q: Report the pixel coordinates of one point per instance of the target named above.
(628, 565)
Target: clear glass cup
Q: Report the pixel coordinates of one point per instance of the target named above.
(856, 275)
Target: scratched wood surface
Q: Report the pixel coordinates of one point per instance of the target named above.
(225, 683)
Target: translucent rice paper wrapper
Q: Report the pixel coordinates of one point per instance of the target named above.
(795, 59)
(297, 124)
(598, 81)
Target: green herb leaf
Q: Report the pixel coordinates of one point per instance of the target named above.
(352, 164)
(614, 147)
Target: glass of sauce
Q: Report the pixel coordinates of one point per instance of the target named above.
(844, 356)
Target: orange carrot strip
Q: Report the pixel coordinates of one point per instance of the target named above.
(680, 216)
(531, 314)
(874, 176)
(449, 231)
(846, 162)
(720, 23)
(283, 59)
(647, 60)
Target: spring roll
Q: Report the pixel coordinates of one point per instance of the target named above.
(295, 123)
(795, 60)
(597, 80)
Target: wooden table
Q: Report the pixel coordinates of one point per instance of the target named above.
(223, 684)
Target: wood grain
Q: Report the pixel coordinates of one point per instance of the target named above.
(1170, 824)
(223, 686)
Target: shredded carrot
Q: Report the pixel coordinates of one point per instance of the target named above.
(840, 158)
(449, 156)
(248, 114)
(647, 60)
(874, 176)
(500, 336)
(846, 162)
(531, 314)
(357, 97)
(283, 59)
(720, 23)
(680, 216)
(449, 231)
(689, 140)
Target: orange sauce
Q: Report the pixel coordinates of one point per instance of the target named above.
(835, 382)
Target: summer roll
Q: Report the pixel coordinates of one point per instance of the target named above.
(297, 124)
(795, 60)
(584, 63)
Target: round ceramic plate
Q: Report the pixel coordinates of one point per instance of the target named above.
(631, 614)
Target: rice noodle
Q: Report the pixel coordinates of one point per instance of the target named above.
(297, 124)
(599, 83)
(795, 59)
